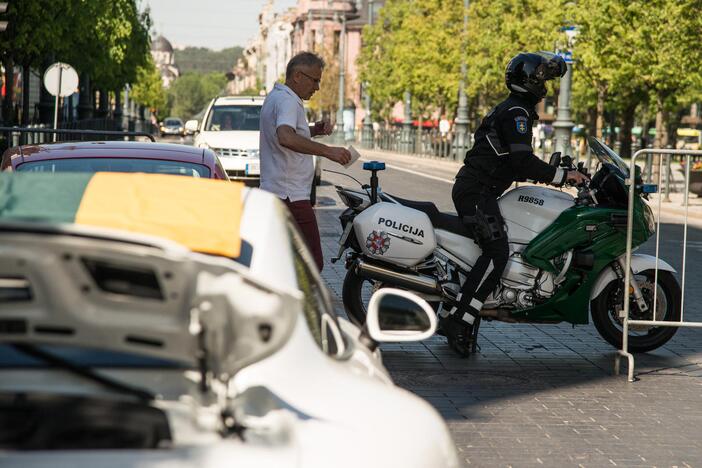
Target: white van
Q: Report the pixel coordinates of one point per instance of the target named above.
(231, 128)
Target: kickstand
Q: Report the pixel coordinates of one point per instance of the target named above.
(474, 336)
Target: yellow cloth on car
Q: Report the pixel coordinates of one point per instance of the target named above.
(202, 214)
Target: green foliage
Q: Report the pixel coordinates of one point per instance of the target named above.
(27, 44)
(327, 98)
(190, 93)
(500, 29)
(148, 89)
(414, 45)
(203, 60)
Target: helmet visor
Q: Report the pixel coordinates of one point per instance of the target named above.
(552, 66)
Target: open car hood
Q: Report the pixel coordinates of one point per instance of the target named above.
(107, 288)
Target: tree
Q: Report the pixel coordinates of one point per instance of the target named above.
(203, 60)
(36, 29)
(192, 91)
(327, 98)
(148, 89)
(414, 46)
(500, 29)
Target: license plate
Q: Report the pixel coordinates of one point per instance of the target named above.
(253, 168)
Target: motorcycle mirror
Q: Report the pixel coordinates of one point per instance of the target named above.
(555, 159)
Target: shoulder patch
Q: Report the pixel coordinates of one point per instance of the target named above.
(521, 124)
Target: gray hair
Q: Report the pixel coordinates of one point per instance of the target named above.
(303, 59)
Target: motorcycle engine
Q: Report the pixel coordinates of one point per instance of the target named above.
(522, 283)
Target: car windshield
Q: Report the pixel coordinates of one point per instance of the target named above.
(83, 357)
(233, 118)
(605, 155)
(173, 122)
(151, 166)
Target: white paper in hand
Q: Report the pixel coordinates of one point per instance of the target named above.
(354, 156)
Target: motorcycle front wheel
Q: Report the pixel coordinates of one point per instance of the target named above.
(605, 311)
(356, 293)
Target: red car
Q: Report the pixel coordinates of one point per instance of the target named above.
(114, 156)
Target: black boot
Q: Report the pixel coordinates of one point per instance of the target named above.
(459, 335)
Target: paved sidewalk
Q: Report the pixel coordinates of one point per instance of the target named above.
(544, 395)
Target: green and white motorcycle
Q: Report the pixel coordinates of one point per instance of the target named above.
(566, 254)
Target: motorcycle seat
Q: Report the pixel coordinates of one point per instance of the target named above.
(446, 221)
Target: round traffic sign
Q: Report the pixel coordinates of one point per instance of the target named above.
(60, 75)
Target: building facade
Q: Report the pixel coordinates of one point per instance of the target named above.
(164, 59)
(314, 25)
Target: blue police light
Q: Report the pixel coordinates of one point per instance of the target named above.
(374, 166)
(649, 188)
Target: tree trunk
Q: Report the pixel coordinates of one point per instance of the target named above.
(26, 74)
(601, 94)
(625, 130)
(103, 104)
(85, 103)
(661, 138)
(8, 115)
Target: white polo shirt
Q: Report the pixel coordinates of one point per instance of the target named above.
(284, 172)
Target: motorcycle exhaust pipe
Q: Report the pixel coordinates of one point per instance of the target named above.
(420, 283)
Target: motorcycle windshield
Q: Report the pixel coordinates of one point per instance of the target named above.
(605, 155)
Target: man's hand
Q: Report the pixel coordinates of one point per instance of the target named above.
(338, 154)
(323, 127)
(576, 177)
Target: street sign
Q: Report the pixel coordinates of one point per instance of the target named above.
(566, 55)
(60, 79)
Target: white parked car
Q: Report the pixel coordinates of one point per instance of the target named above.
(221, 349)
(231, 128)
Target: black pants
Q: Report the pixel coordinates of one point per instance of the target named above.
(495, 248)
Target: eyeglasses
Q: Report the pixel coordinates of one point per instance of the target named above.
(314, 80)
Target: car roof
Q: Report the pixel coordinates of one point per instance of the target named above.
(239, 100)
(106, 149)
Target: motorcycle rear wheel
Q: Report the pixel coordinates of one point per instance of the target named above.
(604, 310)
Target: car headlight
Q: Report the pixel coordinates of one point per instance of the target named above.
(253, 153)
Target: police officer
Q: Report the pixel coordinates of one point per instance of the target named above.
(501, 155)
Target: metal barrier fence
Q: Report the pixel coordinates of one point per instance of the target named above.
(424, 142)
(624, 314)
(38, 134)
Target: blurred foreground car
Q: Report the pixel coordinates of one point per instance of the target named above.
(172, 126)
(170, 321)
(114, 156)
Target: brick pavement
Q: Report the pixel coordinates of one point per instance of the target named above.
(544, 395)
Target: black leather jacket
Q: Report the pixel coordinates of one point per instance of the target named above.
(502, 151)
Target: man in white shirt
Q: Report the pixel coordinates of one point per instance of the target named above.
(287, 147)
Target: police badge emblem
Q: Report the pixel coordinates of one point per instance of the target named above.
(378, 242)
(521, 122)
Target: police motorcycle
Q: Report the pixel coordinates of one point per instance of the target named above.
(567, 254)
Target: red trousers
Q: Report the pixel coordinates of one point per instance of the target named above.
(303, 213)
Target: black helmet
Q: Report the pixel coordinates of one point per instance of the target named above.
(527, 73)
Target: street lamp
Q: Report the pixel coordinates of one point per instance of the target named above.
(367, 136)
(563, 126)
(342, 78)
(462, 132)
